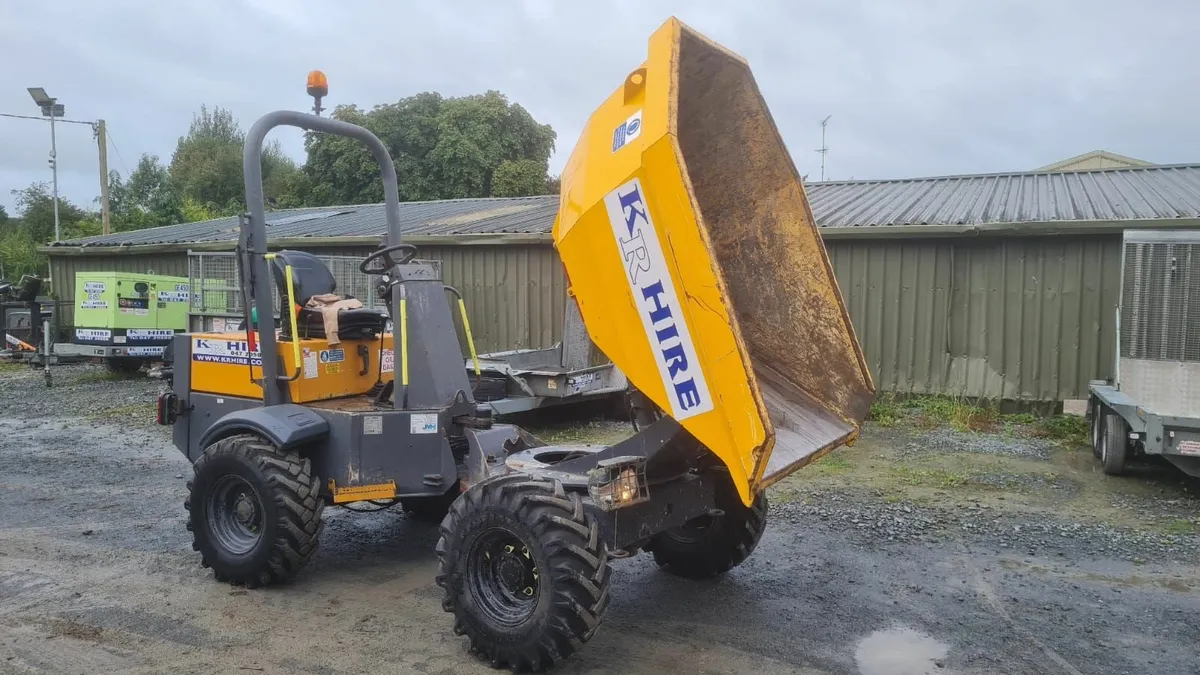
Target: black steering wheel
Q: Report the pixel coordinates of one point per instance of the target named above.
(410, 252)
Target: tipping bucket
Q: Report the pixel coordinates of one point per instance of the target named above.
(692, 252)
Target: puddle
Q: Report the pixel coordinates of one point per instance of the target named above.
(900, 651)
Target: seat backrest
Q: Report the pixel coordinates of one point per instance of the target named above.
(309, 275)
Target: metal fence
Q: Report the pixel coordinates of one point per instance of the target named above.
(216, 302)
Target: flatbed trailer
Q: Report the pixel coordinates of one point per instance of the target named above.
(1151, 406)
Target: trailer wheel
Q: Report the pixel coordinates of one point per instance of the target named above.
(712, 545)
(254, 511)
(523, 571)
(1097, 427)
(1114, 444)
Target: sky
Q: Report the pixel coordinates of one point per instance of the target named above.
(914, 87)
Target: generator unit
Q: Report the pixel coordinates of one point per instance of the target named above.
(126, 318)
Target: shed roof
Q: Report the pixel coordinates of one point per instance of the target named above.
(1108, 198)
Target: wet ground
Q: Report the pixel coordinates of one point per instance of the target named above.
(923, 549)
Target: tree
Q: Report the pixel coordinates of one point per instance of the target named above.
(148, 199)
(519, 179)
(36, 206)
(207, 164)
(443, 148)
(3, 215)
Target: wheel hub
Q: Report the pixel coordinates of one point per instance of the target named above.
(504, 577)
(234, 514)
(245, 512)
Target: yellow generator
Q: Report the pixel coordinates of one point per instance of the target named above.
(692, 254)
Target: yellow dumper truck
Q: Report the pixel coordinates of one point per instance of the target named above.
(692, 254)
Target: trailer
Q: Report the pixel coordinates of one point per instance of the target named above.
(1151, 405)
(522, 380)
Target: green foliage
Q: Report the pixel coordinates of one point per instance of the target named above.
(148, 199)
(443, 148)
(519, 178)
(207, 164)
(18, 255)
(36, 204)
(3, 215)
(1069, 429)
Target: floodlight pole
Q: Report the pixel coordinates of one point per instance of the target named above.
(54, 169)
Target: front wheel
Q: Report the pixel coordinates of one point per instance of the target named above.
(523, 570)
(712, 545)
(254, 511)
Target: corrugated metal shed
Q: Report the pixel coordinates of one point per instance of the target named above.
(519, 215)
(1144, 193)
(1159, 193)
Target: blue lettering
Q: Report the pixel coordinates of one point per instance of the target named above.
(630, 203)
(653, 292)
(667, 333)
(676, 360)
(688, 395)
(636, 254)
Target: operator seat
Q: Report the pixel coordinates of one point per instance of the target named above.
(310, 277)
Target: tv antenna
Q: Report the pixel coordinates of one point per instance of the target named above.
(824, 148)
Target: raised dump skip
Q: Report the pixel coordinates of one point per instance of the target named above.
(692, 252)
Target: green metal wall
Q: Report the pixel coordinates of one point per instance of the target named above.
(1002, 317)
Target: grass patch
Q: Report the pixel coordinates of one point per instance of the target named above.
(10, 367)
(832, 463)
(594, 432)
(1180, 526)
(141, 409)
(957, 412)
(928, 477)
(885, 411)
(1068, 429)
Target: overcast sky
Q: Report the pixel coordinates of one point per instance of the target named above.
(915, 87)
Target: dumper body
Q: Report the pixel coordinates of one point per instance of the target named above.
(692, 252)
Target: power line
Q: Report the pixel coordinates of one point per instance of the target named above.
(118, 151)
(59, 120)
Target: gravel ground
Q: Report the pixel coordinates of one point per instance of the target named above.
(878, 561)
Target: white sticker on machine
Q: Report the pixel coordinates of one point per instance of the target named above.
(387, 362)
(310, 364)
(423, 423)
(373, 425)
(657, 302)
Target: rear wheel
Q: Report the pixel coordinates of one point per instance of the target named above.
(711, 545)
(1114, 444)
(254, 511)
(523, 571)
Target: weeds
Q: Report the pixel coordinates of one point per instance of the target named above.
(8, 367)
(1180, 526)
(928, 477)
(885, 411)
(1068, 429)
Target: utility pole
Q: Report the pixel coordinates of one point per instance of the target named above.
(102, 138)
(824, 148)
